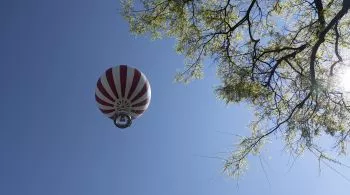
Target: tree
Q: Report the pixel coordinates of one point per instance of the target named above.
(283, 57)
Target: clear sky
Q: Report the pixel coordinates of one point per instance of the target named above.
(54, 140)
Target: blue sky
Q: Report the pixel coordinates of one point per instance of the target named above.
(54, 140)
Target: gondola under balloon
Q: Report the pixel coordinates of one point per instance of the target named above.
(123, 93)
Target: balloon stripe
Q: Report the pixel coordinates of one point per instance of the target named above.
(129, 79)
(141, 93)
(103, 90)
(107, 87)
(143, 97)
(109, 75)
(135, 81)
(110, 115)
(123, 73)
(107, 111)
(108, 107)
(134, 115)
(102, 102)
(138, 111)
(144, 102)
(116, 78)
(139, 86)
(102, 97)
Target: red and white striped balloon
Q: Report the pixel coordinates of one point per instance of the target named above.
(123, 89)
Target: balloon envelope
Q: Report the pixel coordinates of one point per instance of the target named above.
(123, 91)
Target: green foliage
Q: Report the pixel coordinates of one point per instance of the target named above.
(283, 57)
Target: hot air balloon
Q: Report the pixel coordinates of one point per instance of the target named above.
(123, 93)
